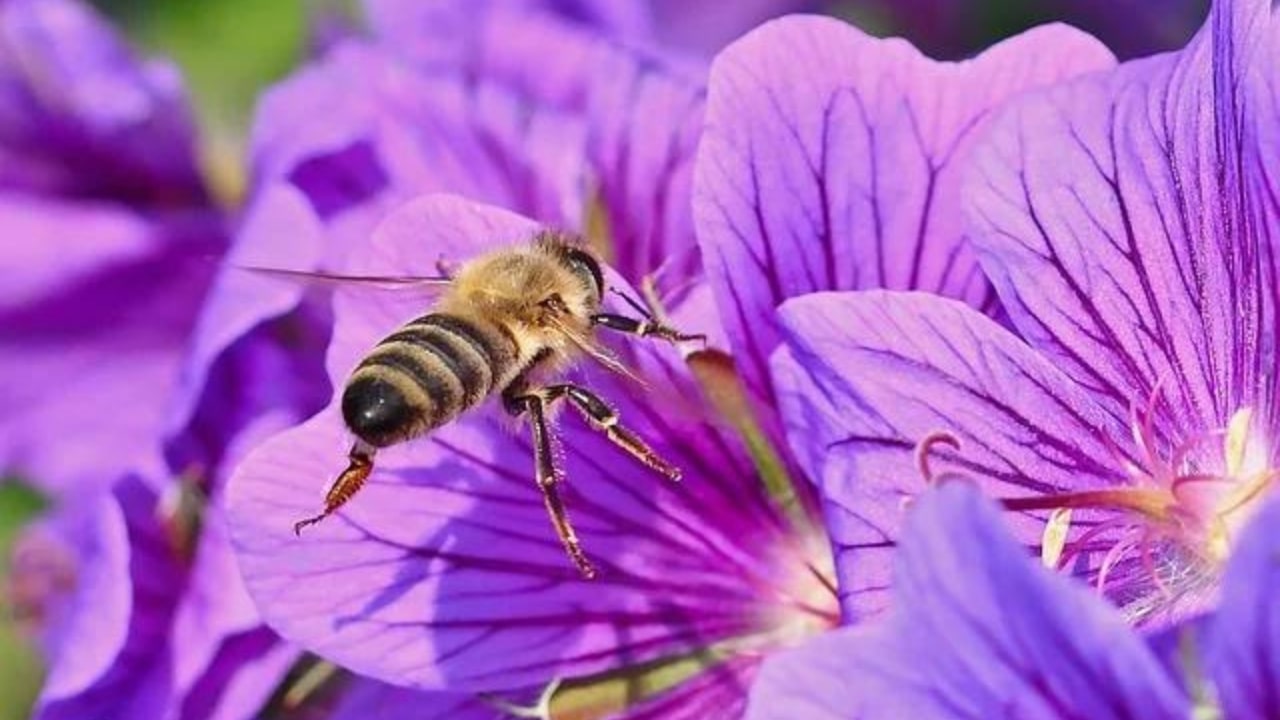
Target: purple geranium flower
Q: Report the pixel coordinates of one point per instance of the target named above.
(99, 200)
(1125, 222)
(978, 630)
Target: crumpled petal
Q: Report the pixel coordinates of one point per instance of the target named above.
(254, 362)
(74, 97)
(977, 631)
(857, 403)
(444, 571)
(1240, 644)
(832, 161)
(1120, 219)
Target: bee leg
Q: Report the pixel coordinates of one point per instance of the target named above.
(534, 405)
(648, 327)
(605, 419)
(359, 465)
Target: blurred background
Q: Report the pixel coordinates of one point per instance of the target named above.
(230, 49)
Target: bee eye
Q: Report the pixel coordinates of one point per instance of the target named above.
(587, 268)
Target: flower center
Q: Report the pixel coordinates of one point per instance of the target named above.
(1159, 539)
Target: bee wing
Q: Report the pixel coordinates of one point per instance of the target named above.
(315, 278)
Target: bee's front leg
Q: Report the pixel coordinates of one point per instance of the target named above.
(522, 401)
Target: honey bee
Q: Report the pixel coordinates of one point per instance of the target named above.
(503, 323)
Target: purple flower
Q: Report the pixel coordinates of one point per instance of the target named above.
(978, 630)
(99, 200)
(1130, 424)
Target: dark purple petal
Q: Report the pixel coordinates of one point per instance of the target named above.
(362, 698)
(449, 573)
(865, 377)
(74, 98)
(133, 683)
(1117, 217)
(832, 161)
(241, 679)
(216, 631)
(1242, 643)
(977, 631)
(69, 577)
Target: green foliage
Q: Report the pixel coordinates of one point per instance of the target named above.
(20, 671)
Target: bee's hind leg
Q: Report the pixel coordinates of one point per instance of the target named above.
(359, 466)
(533, 403)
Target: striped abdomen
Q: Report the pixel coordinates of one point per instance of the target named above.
(424, 375)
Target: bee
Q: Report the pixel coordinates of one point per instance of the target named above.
(503, 324)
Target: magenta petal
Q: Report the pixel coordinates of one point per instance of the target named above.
(865, 377)
(1118, 217)
(832, 161)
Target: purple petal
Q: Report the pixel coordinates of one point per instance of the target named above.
(216, 629)
(71, 571)
(131, 684)
(111, 322)
(1240, 653)
(644, 125)
(242, 678)
(363, 698)
(406, 22)
(255, 360)
(1117, 217)
(954, 648)
(831, 161)
(865, 377)
(444, 572)
(845, 673)
(397, 133)
(72, 96)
